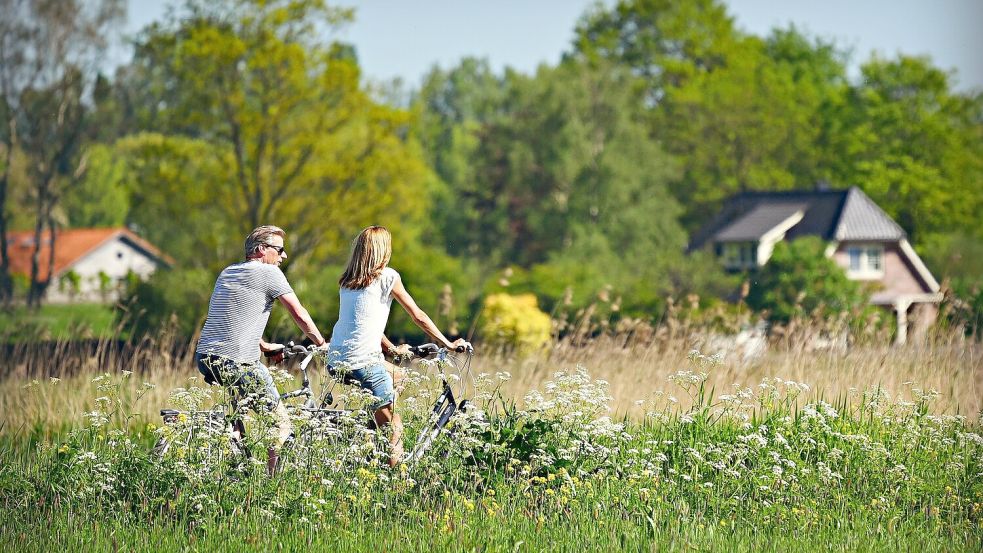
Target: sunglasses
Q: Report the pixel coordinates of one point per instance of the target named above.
(279, 249)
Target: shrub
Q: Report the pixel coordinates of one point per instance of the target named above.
(800, 280)
(515, 321)
(168, 296)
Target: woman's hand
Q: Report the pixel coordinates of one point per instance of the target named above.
(400, 353)
(460, 345)
(402, 350)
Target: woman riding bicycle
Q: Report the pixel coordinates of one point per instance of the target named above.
(368, 287)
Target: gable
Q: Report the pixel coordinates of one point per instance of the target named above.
(828, 214)
(71, 245)
(862, 219)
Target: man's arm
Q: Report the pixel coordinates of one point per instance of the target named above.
(302, 318)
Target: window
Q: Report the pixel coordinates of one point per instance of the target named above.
(874, 256)
(739, 255)
(855, 254)
(866, 261)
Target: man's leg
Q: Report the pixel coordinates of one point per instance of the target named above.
(258, 378)
(284, 430)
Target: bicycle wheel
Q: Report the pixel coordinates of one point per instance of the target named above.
(426, 437)
(457, 381)
(310, 447)
(199, 441)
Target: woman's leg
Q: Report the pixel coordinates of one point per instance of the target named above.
(379, 380)
(398, 375)
(386, 416)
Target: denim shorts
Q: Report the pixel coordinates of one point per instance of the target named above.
(242, 379)
(376, 379)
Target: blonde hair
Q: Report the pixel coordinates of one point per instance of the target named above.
(260, 236)
(371, 251)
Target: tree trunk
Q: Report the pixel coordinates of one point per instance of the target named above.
(6, 284)
(51, 253)
(37, 287)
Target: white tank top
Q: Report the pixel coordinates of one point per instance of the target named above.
(356, 340)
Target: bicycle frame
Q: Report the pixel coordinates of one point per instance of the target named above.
(443, 409)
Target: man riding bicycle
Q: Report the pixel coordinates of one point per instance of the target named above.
(228, 352)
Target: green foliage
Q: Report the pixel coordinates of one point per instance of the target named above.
(170, 298)
(580, 178)
(70, 282)
(102, 197)
(959, 256)
(799, 279)
(569, 157)
(666, 41)
(515, 322)
(174, 202)
(441, 284)
(263, 122)
(742, 113)
(914, 146)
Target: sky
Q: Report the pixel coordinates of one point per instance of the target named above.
(404, 38)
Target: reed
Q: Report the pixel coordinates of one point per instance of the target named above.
(46, 387)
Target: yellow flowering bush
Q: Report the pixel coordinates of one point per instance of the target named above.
(515, 321)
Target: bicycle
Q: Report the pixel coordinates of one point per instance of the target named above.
(212, 435)
(222, 434)
(455, 381)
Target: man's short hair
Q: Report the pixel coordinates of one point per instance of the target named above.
(261, 236)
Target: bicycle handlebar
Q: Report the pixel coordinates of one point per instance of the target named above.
(422, 350)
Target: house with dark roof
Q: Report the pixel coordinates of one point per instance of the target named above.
(89, 264)
(862, 239)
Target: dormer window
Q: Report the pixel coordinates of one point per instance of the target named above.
(739, 255)
(866, 261)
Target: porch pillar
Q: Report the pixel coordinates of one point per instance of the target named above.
(901, 306)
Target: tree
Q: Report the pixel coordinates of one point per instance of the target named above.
(263, 121)
(563, 177)
(666, 42)
(101, 198)
(739, 112)
(915, 146)
(48, 56)
(452, 107)
(567, 153)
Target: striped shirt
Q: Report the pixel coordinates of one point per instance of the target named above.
(239, 309)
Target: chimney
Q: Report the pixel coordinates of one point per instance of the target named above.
(822, 185)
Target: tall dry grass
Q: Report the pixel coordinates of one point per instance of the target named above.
(46, 388)
(636, 371)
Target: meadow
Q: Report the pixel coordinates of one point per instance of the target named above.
(608, 444)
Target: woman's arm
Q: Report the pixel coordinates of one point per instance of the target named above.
(421, 319)
(393, 350)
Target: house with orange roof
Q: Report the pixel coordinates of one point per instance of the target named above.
(90, 264)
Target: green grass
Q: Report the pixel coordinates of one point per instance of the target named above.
(764, 468)
(58, 322)
(575, 531)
